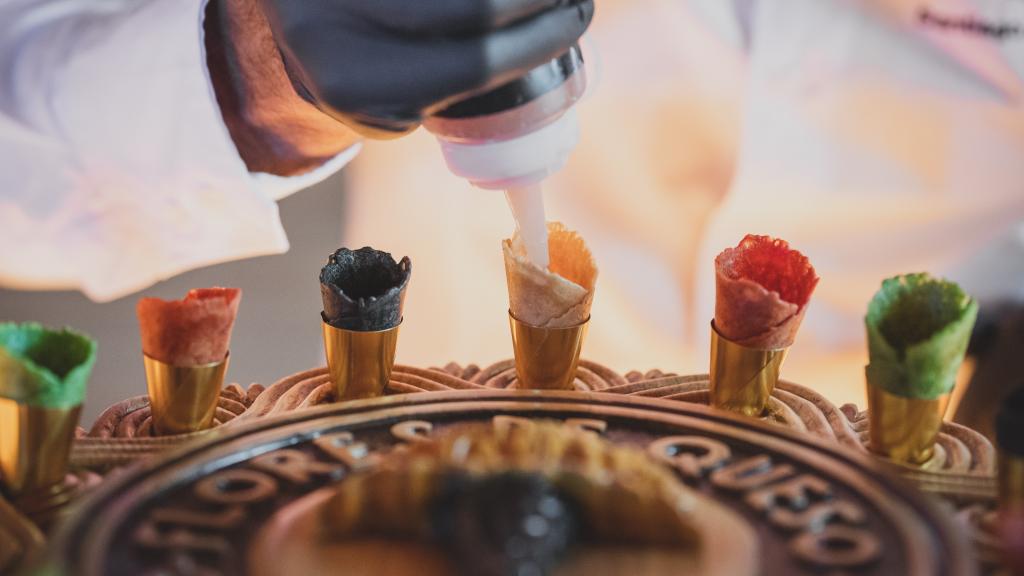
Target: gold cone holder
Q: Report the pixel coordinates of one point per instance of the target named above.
(20, 539)
(904, 429)
(546, 358)
(359, 362)
(1011, 483)
(742, 379)
(35, 443)
(183, 399)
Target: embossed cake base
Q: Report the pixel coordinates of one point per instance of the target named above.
(961, 471)
(960, 450)
(124, 431)
(218, 494)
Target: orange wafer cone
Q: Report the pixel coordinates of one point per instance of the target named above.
(549, 308)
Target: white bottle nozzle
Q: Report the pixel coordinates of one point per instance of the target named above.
(527, 204)
(523, 160)
(514, 137)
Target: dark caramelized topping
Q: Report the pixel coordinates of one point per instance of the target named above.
(512, 524)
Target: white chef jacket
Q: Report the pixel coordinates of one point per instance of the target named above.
(116, 168)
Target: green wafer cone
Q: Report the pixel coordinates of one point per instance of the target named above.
(44, 367)
(918, 329)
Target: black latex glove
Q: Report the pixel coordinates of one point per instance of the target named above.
(386, 64)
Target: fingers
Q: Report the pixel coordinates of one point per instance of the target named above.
(516, 49)
(382, 71)
(440, 17)
(505, 12)
(350, 66)
(359, 70)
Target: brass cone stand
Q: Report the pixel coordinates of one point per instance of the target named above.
(904, 429)
(546, 358)
(35, 444)
(360, 363)
(183, 399)
(742, 379)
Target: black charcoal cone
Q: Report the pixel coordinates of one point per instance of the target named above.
(364, 290)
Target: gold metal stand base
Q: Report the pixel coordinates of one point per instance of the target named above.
(35, 443)
(546, 358)
(904, 429)
(183, 398)
(45, 506)
(360, 362)
(742, 379)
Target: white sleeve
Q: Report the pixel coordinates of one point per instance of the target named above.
(116, 168)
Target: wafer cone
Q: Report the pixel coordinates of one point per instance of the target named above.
(762, 291)
(559, 297)
(363, 295)
(364, 290)
(185, 351)
(189, 332)
(549, 308)
(43, 375)
(918, 328)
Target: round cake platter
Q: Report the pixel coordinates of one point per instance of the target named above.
(813, 506)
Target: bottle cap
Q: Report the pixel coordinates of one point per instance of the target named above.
(523, 90)
(519, 133)
(524, 160)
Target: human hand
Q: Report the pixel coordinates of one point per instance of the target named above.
(274, 129)
(381, 66)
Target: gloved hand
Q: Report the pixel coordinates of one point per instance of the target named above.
(381, 66)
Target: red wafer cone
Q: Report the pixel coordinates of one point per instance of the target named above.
(763, 287)
(189, 332)
(762, 290)
(185, 345)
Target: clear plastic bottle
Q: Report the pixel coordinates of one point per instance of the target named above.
(519, 133)
(513, 137)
